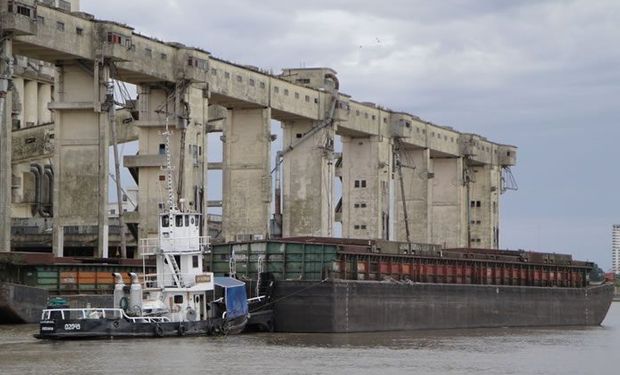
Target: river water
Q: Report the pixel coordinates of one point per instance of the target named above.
(482, 351)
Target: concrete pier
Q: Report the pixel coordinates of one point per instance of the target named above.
(308, 179)
(443, 170)
(81, 157)
(247, 174)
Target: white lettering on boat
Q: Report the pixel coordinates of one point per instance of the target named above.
(72, 327)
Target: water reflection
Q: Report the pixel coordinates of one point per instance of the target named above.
(432, 339)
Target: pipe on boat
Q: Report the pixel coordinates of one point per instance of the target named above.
(119, 290)
(135, 294)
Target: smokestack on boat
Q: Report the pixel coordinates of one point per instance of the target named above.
(135, 294)
(119, 292)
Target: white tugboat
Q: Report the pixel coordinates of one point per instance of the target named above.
(179, 299)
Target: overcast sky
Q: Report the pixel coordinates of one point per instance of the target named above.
(542, 75)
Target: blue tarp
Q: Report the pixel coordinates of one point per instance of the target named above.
(235, 296)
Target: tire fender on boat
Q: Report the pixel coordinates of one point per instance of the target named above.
(158, 330)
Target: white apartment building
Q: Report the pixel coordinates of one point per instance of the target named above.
(615, 248)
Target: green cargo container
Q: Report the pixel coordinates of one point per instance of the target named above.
(43, 278)
(285, 260)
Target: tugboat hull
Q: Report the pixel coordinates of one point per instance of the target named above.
(119, 328)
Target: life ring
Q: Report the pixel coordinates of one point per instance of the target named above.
(182, 329)
(159, 332)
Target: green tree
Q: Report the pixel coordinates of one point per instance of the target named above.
(596, 275)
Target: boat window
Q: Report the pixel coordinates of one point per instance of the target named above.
(192, 220)
(165, 222)
(195, 261)
(178, 298)
(187, 220)
(179, 221)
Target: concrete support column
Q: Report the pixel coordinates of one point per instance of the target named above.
(416, 172)
(366, 183)
(18, 101)
(187, 149)
(31, 103)
(449, 213)
(44, 115)
(6, 104)
(81, 156)
(484, 191)
(151, 179)
(308, 181)
(246, 173)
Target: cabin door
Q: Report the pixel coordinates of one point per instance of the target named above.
(201, 307)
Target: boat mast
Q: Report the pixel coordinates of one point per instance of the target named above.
(171, 201)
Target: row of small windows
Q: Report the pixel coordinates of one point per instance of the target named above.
(261, 84)
(149, 53)
(359, 205)
(276, 90)
(179, 221)
(402, 122)
(60, 26)
(477, 240)
(24, 11)
(475, 222)
(119, 39)
(197, 63)
(359, 183)
(475, 204)
(358, 227)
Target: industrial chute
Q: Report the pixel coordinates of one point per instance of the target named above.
(399, 165)
(326, 143)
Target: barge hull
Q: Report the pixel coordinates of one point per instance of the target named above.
(370, 306)
(20, 303)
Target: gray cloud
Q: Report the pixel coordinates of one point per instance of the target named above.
(541, 75)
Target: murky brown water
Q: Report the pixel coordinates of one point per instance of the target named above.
(490, 351)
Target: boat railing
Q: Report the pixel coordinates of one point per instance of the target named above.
(257, 299)
(150, 280)
(99, 313)
(154, 246)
